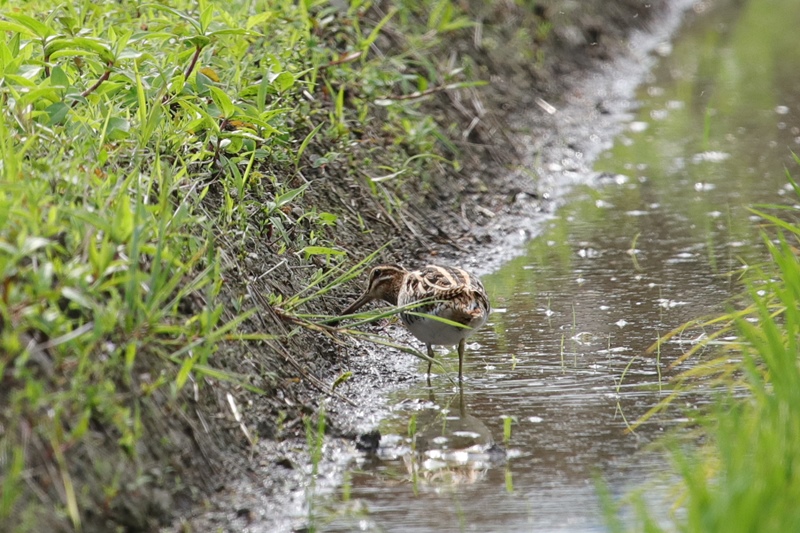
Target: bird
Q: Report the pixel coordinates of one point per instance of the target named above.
(446, 292)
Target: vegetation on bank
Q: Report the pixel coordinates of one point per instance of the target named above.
(745, 473)
(144, 147)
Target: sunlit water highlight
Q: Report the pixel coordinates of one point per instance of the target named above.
(656, 241)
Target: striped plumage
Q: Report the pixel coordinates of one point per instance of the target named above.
(453, 294)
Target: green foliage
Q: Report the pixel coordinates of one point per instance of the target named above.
(134, 138)
(751, 479)
(747, 475)
(315, 439)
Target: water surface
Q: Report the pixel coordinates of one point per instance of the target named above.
(561, 369)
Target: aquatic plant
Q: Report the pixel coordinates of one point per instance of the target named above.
(745, 474)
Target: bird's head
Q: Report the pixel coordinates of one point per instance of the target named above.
(384, 284)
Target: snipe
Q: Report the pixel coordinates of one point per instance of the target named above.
(447, 292)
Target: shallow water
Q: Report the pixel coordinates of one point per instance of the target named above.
(561, 368)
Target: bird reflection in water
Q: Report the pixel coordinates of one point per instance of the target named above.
(448, 447)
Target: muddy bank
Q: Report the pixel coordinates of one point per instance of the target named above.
(539, 125)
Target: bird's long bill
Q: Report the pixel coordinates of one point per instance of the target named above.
(355, 306)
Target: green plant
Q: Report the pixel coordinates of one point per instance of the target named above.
(315, 439)
(147, 150)
(745, 477)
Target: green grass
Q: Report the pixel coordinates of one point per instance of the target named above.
(746, 474)
(145, 148)
(162, 164)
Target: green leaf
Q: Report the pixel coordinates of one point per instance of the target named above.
(16, 28)
(74, 295)
(153, 121)
(376, 30)
(177, 83)
(38, 28)
(32, 244)
(339, 106)
(341, 379)
(6, 58)
(261, 95)
(118, 129)
(457, 24)
(231, 31)
(203, 82)
(305, 143)
(438, 319)
(258, 19)
(200, 41)
(8, 248)
(257, 121)
(191, 20)
(67, 52)
(94, 219)
(71, 24)
(57, 113)
(223, 101)
(95, 45)
(130, 356)
(59, 78)
(206, 17)
(466, 84)
(123, 220)
(101, 255)
(14, 45)
(320, 250)
(285, 198)
(129, 53)
(40, 95)
(226, 376)
(79, 430)
(59, 42)
(283, 81)
(328, 219)
(185, 371)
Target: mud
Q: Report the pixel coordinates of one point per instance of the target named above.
(540, 133)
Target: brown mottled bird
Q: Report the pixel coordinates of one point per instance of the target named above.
(446, 292)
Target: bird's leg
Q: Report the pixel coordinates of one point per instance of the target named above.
(431, 354)
(461, 345)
